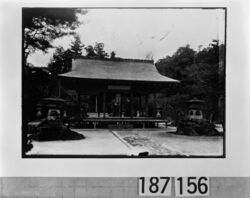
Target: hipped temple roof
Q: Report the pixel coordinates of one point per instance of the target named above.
(122, 69)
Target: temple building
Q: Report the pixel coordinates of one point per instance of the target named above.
(117, 91)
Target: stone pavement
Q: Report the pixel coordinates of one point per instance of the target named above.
(97, 142)
(129, 142)
(166, 142)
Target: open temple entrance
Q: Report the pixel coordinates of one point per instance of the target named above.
(117, 92)
(116, 104)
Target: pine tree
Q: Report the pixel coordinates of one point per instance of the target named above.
(76, 46)
(62, 59)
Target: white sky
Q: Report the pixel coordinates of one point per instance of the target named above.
(135, 33)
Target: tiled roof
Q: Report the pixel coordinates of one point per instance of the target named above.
(120, 69)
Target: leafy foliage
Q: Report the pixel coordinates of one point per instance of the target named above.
(42, 25)
(112, 55)
(61, 60)
(97, 51)
(76, 47)
(90, 52)
(201, 75)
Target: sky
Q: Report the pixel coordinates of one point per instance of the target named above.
(144, 33)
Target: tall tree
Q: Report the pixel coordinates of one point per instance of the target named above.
(61, 61)
(76, 46)
(112, 55)
(97, 51)
(201, 74)
(174, 66)
(90, 52)
(42, 25)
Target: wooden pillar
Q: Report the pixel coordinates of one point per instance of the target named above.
(96, 103)
(154, 102)
(104, 104)
(79, 101)
(121, 101)
(59, 87)
(140, 101)
(131, 104)
(146, 104)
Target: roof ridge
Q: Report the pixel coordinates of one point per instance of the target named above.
(119, 59)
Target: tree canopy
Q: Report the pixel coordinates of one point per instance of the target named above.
(97, 51)
(76, 46)
(201, 74)
(61, 61)
(42, 25)
(112, 55)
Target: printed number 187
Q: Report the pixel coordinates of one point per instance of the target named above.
(154, 186)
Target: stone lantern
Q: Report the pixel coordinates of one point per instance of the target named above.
(195, 109)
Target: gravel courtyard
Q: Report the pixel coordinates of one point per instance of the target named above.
(166, 142)
(131, 142)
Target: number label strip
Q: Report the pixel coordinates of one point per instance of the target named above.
(183, 186)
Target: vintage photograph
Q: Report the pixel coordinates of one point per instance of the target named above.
(123, 82)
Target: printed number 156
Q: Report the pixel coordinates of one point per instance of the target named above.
(191, 186)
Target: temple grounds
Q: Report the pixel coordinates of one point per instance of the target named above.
(132, 142)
